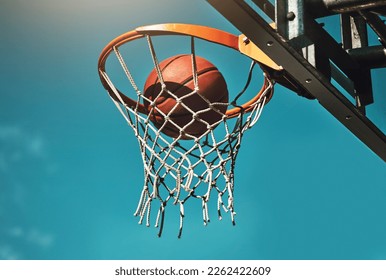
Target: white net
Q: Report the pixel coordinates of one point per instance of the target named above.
(177, 170)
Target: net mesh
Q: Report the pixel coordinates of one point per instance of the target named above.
(177, 170)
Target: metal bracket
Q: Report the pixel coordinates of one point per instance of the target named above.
(249, 22)
(354, 35)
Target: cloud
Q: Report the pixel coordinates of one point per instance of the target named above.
(9, 132)
(15, 231)
(20, 237)
(36, 147)
(20, 150)
(37, 237)
(32, 236)
(17, 144)
(25, 239)
(8, 253)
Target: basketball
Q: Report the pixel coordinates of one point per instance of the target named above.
(185, 108)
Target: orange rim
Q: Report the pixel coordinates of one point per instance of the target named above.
(206, 33)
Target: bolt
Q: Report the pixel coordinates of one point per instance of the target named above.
(246, 40)
(291, 16)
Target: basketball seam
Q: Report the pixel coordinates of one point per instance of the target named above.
(162, 69)
(183, 83)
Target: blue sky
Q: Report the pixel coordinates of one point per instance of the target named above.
(71, 172)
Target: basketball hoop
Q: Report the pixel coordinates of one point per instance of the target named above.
(186, 164)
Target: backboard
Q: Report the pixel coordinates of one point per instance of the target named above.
(335, 70)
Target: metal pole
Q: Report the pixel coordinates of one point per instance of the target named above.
(369, 57)
(321, 8)
(376, 24)
(346, 6)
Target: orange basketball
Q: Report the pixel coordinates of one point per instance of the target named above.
(178, 78)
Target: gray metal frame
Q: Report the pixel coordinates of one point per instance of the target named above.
(296, 45)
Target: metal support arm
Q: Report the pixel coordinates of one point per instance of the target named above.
(249, 22)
